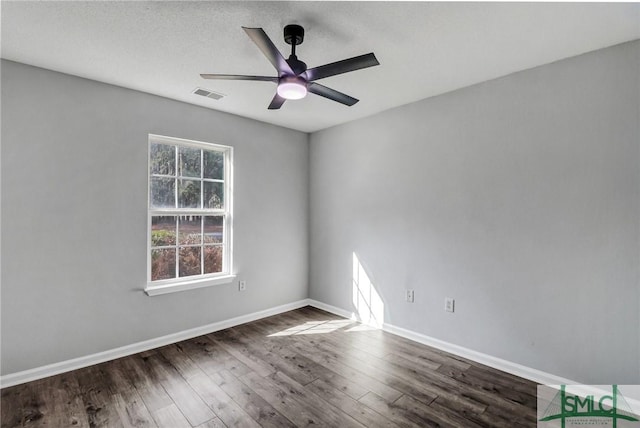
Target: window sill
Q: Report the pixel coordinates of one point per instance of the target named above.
(155, 290)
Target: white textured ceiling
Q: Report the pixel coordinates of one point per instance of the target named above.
(424, 49)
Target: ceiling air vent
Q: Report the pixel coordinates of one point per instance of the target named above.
(207, 93)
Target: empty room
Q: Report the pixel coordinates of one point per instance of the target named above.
(338, 214)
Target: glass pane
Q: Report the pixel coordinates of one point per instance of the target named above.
(213, 195)
(213, 229)
(212, 259)
(163, 193)
(213, 165)
(163, 231)
(189, 161)
(190, 230)
(188, 194)
(162, 159)
(190, 261)
(163, 264)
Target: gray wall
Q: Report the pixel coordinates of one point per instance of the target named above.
(74, 219)
(519, 197)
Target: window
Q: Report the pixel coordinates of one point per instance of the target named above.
(189, 227)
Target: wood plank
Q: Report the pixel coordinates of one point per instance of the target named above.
(418, 366)
(128, 402)
(62, 395)
(354, 408)
(180, 359)
(213, 423)
(429, 416)
(31, 406)
(424, 385)
(244, 355)
(446, 407)
(131, 412)
(170, 416)
(491, 385)
(281, 361)
(334, 363)
(400, 344)
(211, 358)
(427, 357)
(282, 401)
(146, 384)
(229, 412)
(184, 397)
(11, 400)
(289, 353)
(391, 412)
(341, 383)
(98, 401)
(259, 409)
(507, 379)
(384, 372)
(53, 401)
(329, 413)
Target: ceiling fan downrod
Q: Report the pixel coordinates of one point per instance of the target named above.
(294, 35)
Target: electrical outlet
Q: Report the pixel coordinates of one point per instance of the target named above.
(242, 285)
(449, 304)
(410, 296)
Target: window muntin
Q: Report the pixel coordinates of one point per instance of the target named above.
(189, 224)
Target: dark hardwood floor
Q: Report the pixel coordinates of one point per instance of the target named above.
(301, 368)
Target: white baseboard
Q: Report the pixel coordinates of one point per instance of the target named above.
(332, 309)
(479, 357)
(100, 357)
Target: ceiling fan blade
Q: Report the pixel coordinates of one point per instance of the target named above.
(239, 77)
(276, 102)
(269, 50)
(344, 66)
(332, 94)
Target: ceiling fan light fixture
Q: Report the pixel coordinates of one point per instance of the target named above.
(292, 88)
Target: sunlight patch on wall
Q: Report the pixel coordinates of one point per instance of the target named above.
(369, 307)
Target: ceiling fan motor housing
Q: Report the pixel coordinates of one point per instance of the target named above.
(293, 34)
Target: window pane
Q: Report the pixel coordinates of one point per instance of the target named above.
(187, 207)
(163, 231)
(189, 161)
(163, 264)
(213, 229)
(162, 159)
(190, 261)
(163, 193)
(214, 165)
(212, 259)
(213, 195)
(189, 194)
(190, 230)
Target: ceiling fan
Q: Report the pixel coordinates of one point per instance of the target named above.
(294, 80)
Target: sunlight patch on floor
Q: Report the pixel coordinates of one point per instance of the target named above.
(315, 327)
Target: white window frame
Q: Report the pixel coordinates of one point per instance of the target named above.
(172, 285)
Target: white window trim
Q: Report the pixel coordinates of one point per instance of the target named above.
(157, 290)
(154, 288)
